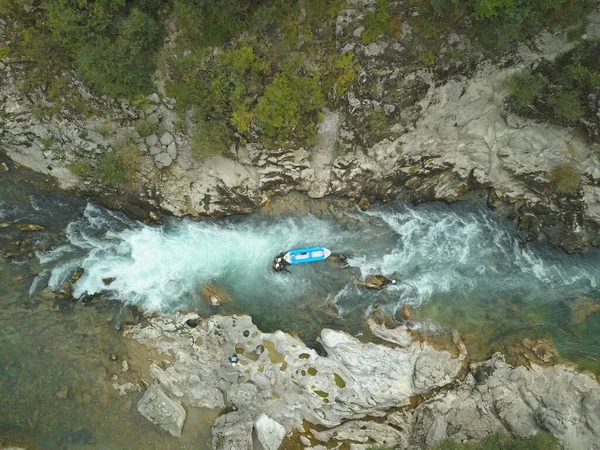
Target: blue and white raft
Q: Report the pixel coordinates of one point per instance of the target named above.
(306, 255)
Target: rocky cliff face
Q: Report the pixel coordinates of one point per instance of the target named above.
(444, 134)
(278, 383)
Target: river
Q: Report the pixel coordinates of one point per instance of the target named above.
(458, 267)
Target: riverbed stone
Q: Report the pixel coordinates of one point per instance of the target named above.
(269, 433)
(160, 409)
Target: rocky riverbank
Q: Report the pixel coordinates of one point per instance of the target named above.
(400, 392)
(444, 136)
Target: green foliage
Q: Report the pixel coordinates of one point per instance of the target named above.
(121, 66)
(566, 105)
(81, 168)
(498, 23)
(210, 138)
(288, 103)
(541, 441)
(377, 22)
(104, 128)
(378, 123)
(565, 179)
(524, 88)
(110, 42)
(146, 127)
(213, 22)
(344, 70)
(120, 166)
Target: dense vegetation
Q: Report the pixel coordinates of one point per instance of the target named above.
(541, 441)
(256, 69)
(559, 91)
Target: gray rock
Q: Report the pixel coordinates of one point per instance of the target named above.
(166, 138)
(163, 160)
(436, 433)
(232, 431)
(154, 98)
(152, 140)
(172, 150)
(375, 49)
(269, 433)
(358, 32)
(161, 410)
(365, 432)
(517, 401)
(242, 395)
(155, 150)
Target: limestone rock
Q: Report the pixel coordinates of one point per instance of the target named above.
(160, 409)
(269, 433)
(383, 435)
(436, 433)
(497, 397)
(152, 140)
(172, 150)
(163, 160)
(233, 431)
(166, 139)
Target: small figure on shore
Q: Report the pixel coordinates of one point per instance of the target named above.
(233, 359)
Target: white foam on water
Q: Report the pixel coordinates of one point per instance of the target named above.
(432, 251)
(161, 267)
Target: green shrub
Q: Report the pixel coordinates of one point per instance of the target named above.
(566, 105)
(81, 168)
(524, 88)
(344, 70)
(376, 22)
(565, 179)
(378, 123)
(210, 138)
(120, 166)
(287, 104)
(146, 127)
(121, 66)
(104, 128)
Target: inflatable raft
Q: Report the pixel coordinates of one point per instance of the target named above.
(306, 255)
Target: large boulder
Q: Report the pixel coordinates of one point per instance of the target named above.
(160, 409)
(269, 433)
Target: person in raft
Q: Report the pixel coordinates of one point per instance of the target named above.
(279, 263)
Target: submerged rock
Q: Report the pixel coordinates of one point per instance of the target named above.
(377, 282)
(215, 295)
(160, 409)
(30, 227)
